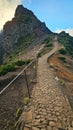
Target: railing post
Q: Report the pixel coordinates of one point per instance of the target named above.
(27, 83)
(35, 67)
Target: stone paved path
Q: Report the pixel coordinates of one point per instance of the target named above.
(49, 108)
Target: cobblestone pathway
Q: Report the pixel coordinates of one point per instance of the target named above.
(49, 108)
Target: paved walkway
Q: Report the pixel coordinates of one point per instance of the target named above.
(49, 108)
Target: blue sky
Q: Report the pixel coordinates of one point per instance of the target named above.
(57, 14)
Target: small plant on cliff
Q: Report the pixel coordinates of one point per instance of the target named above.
(7, 68)
(51, 65)
(48, 45)
(21, 62)
(62, 82)
(62, 51)
(18, 113)
(40, 53)
(48, 42)
(4, 69)
(26, 100)
(62, 58)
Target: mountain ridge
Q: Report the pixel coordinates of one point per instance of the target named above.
(24, 23)
(21, 31)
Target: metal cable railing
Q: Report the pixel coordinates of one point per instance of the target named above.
(16, 77)
(21, 73)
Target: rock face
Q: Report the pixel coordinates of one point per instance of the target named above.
(23, 24)
(67, 41)
(1, 48)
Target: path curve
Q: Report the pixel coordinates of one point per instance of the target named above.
(49, 109)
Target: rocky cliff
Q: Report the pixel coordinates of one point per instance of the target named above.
(24, 24)
(1, 48)
(67, 41)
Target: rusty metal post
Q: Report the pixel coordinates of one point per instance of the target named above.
(35, 67)
(27, 83)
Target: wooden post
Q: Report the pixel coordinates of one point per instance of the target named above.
(27, 83)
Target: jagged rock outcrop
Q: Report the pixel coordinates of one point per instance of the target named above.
(23, 24)
(1, 48)
(67, 41)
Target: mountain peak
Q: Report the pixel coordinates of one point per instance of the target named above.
(24, 24)
(21, 10)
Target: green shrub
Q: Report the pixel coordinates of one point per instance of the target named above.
(27, 61)
(48, 45)
(72, 56)
(4, 69)
(7, 68)
(10, 56)
(51, 65)
(67, 41)
(38, 55)
(18, 113)
(62, 58)
(26, 100)
(62, 51)
(48, 41)
(22, 62)
(62, 82)
(19, 63)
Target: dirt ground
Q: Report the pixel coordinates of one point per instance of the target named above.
(64, 72)
(12, 99)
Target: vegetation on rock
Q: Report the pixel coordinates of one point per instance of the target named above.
(5, 68)
(24, 42)
(67, 41)
(62, 51)
(62, 58)
(48, 41)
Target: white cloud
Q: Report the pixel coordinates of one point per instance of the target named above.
(70, 31)
(7, 10)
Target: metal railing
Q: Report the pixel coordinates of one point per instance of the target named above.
(24, 70)
(13, 96)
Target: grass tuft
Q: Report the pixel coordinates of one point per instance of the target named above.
(26, 100)
(4, 69)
